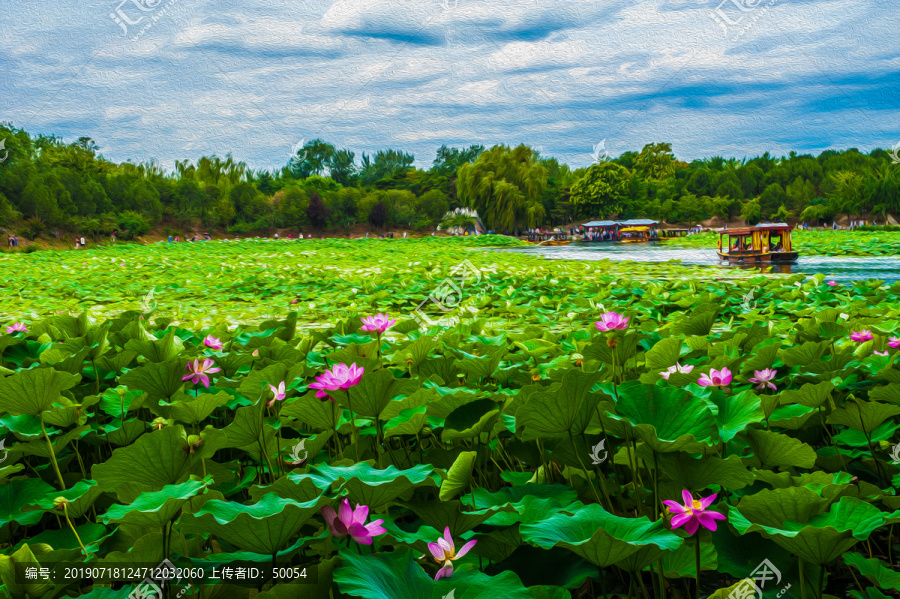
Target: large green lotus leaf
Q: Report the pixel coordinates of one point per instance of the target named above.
(39, 448)
(856, 438)
(736, 412)
(864, 416)
(481, 367)
(458, 476)
(470, 420)
(396, 575)
(699, 473)
(191, 409)
(442, 514)
(818, 538)
(666, 418)
(699, 323)
(155, 509)
(554, 567)
(92, 535)
(774, 449)
(681, 563)
(803, 355)
(889, 393)
(157, 350)
(18, 494)
(563, 410)
(663, 354)
(375, 391)
(369, 486)
(262, 527)
(80, 497)
(33, 391)
(155, 460)
(308, 409)
(159, 380)
(790, 417)
(66, 361)
(762, 358)
(257, 382)
(810, 395)
(408, 422)
(146, 549)
(15, 588)
(244, 431)
(418, 399)
(875, 570)
(112, 402)
(598, 536)
(600, 350)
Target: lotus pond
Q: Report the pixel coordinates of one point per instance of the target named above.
(413, 419)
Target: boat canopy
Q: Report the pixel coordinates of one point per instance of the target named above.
(639, 222)
(630, 229)
(601, 223)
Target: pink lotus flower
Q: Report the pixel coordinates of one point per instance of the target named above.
(339, 377)
(715, 378)
(894, 342)
(198, 372)
(612, 321)
(352, 522)
(861, 336)
(880, 353)
(378, 323)
(16, 327)
(831, 283)
(677, 368)
(278, 392)
(763, 377)
(444, 552)
(212, 343)
(693, 513)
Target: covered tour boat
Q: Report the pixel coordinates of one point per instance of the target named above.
(768, 242)
(601, 230)
(635, 234)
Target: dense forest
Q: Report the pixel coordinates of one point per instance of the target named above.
(48, 185)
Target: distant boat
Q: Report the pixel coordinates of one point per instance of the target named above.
(635, 234)
(768, 242)
(672, 233)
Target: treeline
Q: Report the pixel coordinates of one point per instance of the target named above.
(48, 185)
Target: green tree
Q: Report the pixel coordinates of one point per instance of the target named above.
(603, 191)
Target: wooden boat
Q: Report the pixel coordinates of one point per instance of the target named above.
(769, 242)
(555, 242)
(635, 234)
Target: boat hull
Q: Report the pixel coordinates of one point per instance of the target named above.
(760, 258)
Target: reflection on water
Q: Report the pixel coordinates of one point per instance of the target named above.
(839, 268)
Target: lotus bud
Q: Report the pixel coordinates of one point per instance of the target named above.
(535, 374)
(578, 359)
(122, 391)
(60, 503)
(159, 423)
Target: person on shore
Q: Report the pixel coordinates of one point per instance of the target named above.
(15, 241)
(83, 244)
(276, 235)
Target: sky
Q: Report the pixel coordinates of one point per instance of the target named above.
(179, 79)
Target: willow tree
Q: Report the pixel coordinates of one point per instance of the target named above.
(505, 186)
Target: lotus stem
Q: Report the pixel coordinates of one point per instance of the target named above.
(353, 433)
(697, 564)
(802, 581)
(821, 581)
(62, 484)
(262, 439)
(65, 507)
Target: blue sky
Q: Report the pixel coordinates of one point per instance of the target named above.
(197, 77)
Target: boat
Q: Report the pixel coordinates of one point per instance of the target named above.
(767, 242)
(635, 234)
(555, 242)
